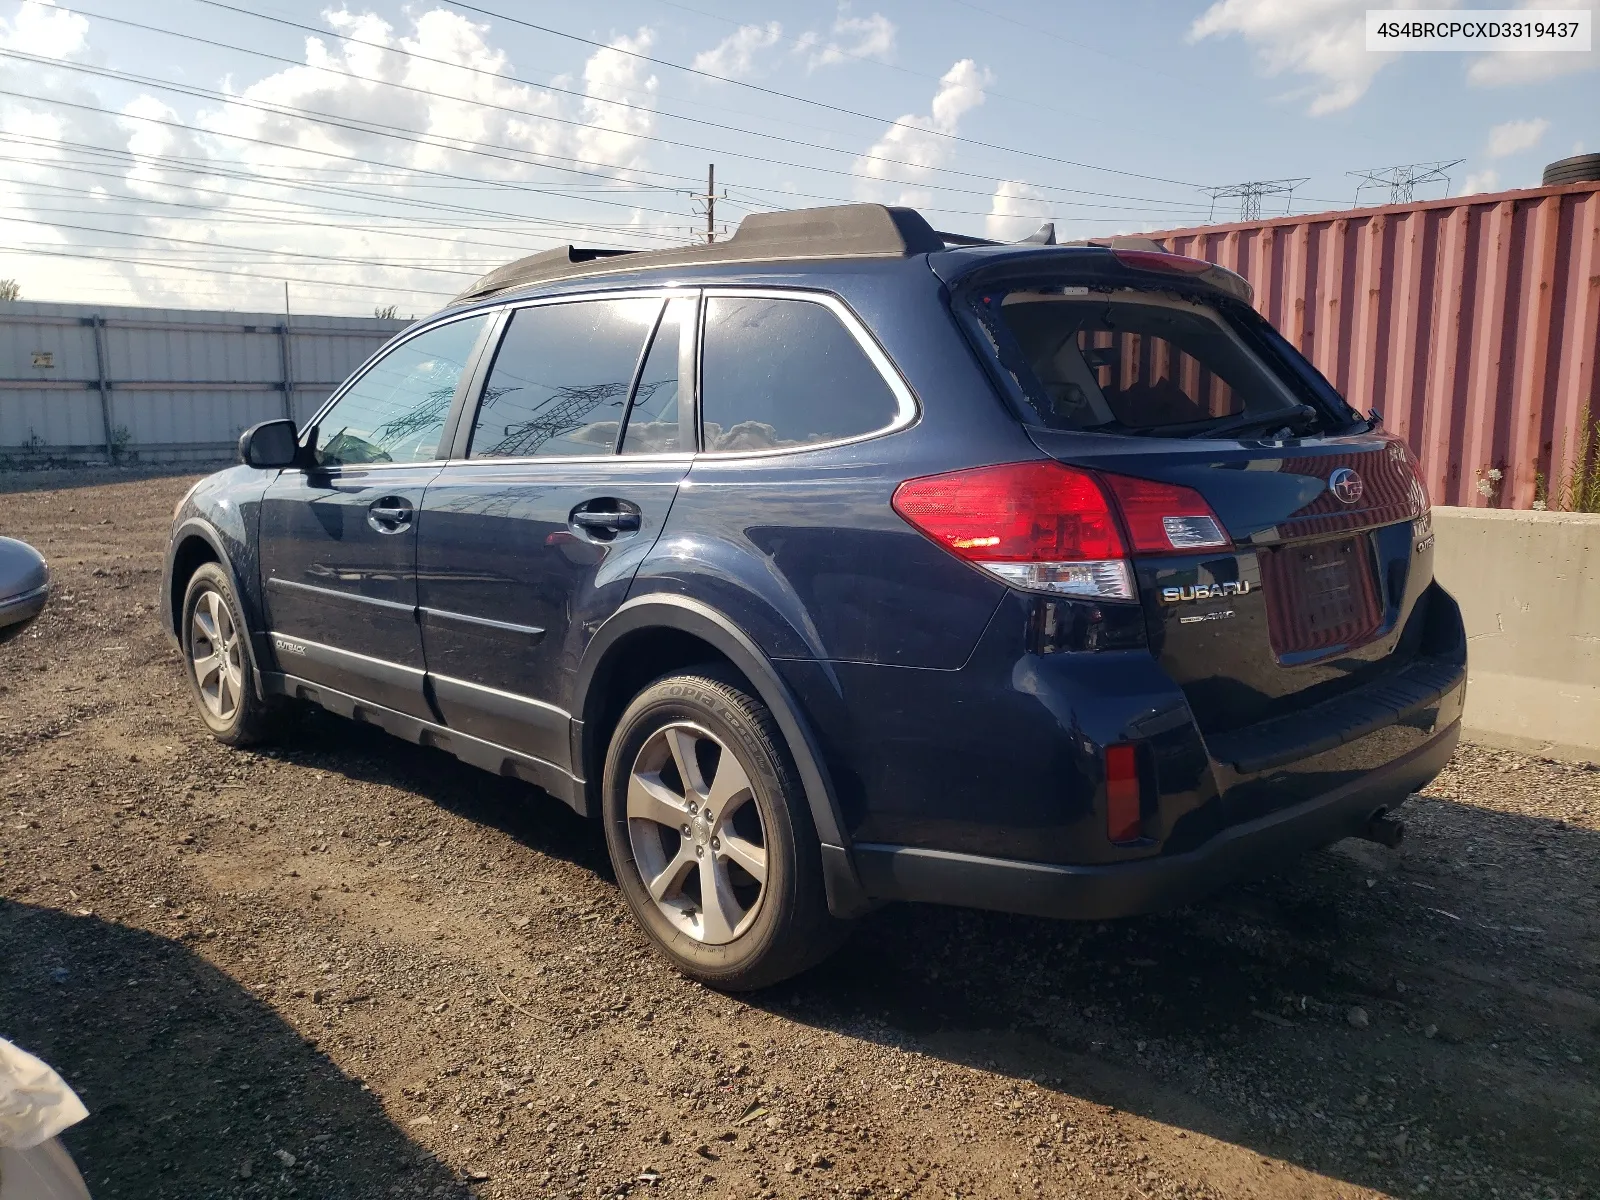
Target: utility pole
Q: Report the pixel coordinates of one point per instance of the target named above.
(711, 203)
(709, 198)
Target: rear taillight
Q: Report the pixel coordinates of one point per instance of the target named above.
(1037, 525)
(1124, 821)
(1048, 527)
(1163, 518)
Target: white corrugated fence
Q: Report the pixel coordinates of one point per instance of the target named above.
(92, 383)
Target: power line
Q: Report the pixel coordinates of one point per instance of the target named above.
(301, 149)
(466, 146)
(352, 124)
(801, 43)
(231, 273)
(525, 115)
(157, 237)
(215, 216)
(756, 87)
(229, 170)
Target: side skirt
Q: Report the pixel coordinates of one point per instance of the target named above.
(497, 760)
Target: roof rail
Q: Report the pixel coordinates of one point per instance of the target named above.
(840, 231)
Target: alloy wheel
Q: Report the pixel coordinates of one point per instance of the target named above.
(216, 654)
(696, 833)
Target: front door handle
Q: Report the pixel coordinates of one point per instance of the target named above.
(392, 514)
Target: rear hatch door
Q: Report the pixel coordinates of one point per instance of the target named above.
(1313, 596)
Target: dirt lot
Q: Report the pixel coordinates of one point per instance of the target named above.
(351, 967)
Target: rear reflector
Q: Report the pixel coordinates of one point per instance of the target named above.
(1123, 821)
(1041, 526)
(1163, 517)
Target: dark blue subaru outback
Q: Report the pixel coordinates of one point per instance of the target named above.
(845, 562)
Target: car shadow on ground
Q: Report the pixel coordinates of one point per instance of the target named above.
(1232, 1017)
(176, 1060)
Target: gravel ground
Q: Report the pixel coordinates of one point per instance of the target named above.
(351, 967)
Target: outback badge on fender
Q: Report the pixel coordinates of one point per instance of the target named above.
(1205, 591)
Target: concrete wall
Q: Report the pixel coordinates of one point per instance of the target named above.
(1529, 588)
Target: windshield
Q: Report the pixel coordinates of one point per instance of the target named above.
(1130, 361)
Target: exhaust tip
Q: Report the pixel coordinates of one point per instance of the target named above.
(1384, 829)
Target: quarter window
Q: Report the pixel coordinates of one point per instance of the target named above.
(561, 378)
(396, 410)
(782, 373)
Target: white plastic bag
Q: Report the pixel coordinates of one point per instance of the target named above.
(35, 1103)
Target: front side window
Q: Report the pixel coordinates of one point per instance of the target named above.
(395, 412)
(786, 373)
(561, 377)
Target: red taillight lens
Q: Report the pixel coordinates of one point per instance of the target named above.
(1164, 518)
(1037, 525)
(1123, 820)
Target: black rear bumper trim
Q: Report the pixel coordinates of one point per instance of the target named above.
(1106, 891)
(1343, 719)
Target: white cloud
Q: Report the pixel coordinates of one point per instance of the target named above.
(607, 75)
(1323, 39)
(1513, 137)
(1015, 211)
(45, 30)
(1486, 180)
(474, 106)
(851, 37)
(734, 56)
(1510, 68)
(915, 140)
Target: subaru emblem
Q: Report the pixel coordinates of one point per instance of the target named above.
(1346, 485)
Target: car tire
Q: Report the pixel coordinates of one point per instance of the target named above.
(723, 870)
(217, 663)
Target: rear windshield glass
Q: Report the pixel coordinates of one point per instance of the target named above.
(1127, 361)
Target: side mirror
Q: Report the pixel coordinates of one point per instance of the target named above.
(270, 444)
(24, 586)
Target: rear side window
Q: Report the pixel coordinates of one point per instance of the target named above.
(1128, 361)
(561, 378)
(784, 373)
(654, 422)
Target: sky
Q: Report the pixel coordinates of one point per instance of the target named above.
(376, 153)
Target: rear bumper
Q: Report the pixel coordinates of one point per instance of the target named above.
(1148, 885)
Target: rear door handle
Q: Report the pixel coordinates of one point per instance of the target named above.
(605, 518)
(614, 521)
(392, 514)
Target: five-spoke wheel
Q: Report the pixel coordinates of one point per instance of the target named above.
(711, 834)
(696, 833)
(216, 646)
(216, 655)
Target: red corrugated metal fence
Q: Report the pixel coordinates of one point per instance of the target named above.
(1472, 324)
